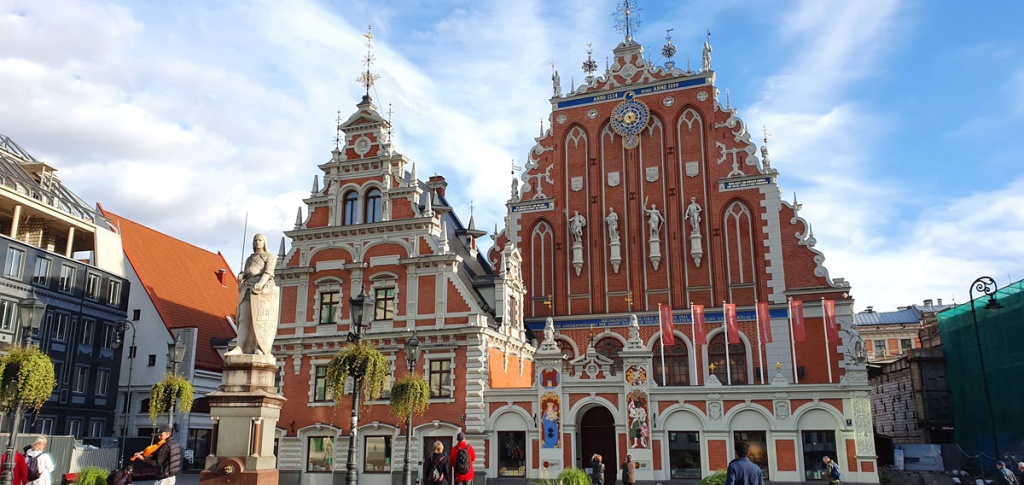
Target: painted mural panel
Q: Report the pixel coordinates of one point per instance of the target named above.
(551, 421)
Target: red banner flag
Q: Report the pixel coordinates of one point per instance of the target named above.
(796, 318)
(668, 337)
(764, 322)
(732, 327)
(829, 309)
(700, 333)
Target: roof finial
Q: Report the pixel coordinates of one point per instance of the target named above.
(766, 161)
(390, 126)
(589, 65)
(542, 127)
(668, 51)
(626, 18)
(367, 78)
(337, 131)
(728, 104)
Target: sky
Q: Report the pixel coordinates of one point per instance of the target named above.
(895, 123)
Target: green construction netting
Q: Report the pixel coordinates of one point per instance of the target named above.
(1001, 334)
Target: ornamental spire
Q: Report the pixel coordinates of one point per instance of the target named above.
(668, 51)
(626, 18)
(589, 65)
(367, 78)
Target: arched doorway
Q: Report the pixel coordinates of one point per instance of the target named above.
(597, 435)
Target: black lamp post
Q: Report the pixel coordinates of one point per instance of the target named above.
(176, 352)
(987, 286)
(121, 328)
(412, 354)
(360, 306)
(30, 312)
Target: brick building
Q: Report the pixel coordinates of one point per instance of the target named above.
(645, 191)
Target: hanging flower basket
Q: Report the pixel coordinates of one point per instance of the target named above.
(362, 360)
(28, 379)
(410, 395)
(164, 393)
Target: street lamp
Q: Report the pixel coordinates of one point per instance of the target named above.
(360, 306)
(120, 329)
(30, 311)
(987, 286)
(176, 352)
(412, 354)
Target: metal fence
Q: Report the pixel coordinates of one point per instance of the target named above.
(69, 456)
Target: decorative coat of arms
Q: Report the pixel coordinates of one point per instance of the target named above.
(692, 168)
(576, 183)
(613, 179)
(652, 174)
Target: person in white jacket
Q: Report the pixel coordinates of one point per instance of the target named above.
(43, 460)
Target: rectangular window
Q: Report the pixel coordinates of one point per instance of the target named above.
(817, 445)
(320, 391)
(75, 428)
(15, 260)
(684, 454)
(377, 458)
(329, 307)
(320, 454)
(45, 425)
(758, 448)
(96, 428)
(906, 344)
(132, 351)
(9, 309)
(136, 314)
(42, 272)
(58, 372)
(88, 327)
(879, 347)
(114, 293)
(151, 361)
(385, 305)
(512, 456)
(67, 278)
(92, 286)
(440, 378)
(102, 379)
(109, 336)
(81, 379)
(59, 330)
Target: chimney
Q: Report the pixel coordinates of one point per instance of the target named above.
(928, 302)
(870, 309)
(220, 275)
(437, 183)
(940, 301)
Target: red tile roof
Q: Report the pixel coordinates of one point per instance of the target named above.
(183, 284)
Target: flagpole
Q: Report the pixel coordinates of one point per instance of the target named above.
(693, 339)
(725, 327)
(662, 340)
(760, 349)
(824, 326)
(792, 340)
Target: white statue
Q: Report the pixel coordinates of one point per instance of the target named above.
(693, 214)
(556, 84)
(634, 328)
(654, 220)
(576, 223)
(549, 330)
(256, 317)
(613, 224)
(707, 54)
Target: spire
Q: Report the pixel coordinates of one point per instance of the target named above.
(298, 218)
(728, 102)
(280, 252)
(626, 19)
(412, 176)
(316, 183)
(367, 78)
(444, 237)
(494, 236)
(337, 131)
(668, 51)
(796, 205)
(542, 127)
(589, 65)
(429, 209)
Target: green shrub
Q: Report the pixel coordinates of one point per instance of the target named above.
(717, 478)
(574, 476)
(91, 476)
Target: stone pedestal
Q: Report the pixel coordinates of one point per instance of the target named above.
(616, 257)
(655, 251)
(245, 409)
(695, 250)
(577, 256)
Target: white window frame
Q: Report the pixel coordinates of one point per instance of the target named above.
(68, 274)
(114, 292)
(81, 383)
(59, 329)
(88, 332)
(42, 277)
(14, 265)
(102, 382)
(92, 285)
(9, 313)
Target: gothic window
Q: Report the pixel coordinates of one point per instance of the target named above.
(372, 213)
(567, 355)
(739, 247)
(610, 347)
(677, 364)
(350, 208)
(737, 360)
(542, 252)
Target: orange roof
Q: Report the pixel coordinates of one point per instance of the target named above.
(183, 284)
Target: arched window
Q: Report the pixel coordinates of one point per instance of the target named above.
(372, 213)
(677, 364)
(349, 208)
(737, 360)
(610, 347)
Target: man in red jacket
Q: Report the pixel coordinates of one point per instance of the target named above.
(462, 459)
(20, 471)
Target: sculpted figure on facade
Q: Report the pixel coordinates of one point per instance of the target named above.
(556, 84)
(256, 316)
(693, 214)
(576, 223)
(549, 330)
(707, 54)
(612, 219)
(654, 220)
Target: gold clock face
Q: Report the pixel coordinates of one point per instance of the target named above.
(629, 118)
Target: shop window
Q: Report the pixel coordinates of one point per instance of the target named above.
(377, 457)
(737, 368)
(320, 454)
(684, 454)
(677, 364)
(758, 447)
(817, 445)
(512, 454)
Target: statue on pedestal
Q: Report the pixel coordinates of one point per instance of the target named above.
(256, 317)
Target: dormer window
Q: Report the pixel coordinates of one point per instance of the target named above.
(350, 208)
(373, 207)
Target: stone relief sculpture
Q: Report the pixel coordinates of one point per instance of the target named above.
(257, 301)
(693, 214)
(613, 224)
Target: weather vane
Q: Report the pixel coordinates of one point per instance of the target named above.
(337, 131)
(589, 65)
(367, 78)
(668, 51)
(626, 19)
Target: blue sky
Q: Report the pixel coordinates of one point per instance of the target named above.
(897, 123)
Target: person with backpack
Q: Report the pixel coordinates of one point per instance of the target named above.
(435, 469)
(835, 476)
(39, 464)
(20, 470)
(1005, 476)
(166, 459)
(462, 459)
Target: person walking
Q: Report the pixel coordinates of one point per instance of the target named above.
(597, 470)
(20, 471)
(1020, 472)
(1005, 476)
(166, 459)
(628, 471)
(43, 462)
(461, 460)
(742, 471)
(436, 470)
(832, 471)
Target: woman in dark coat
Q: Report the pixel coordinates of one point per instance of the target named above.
(597, 475)
(438, 460)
